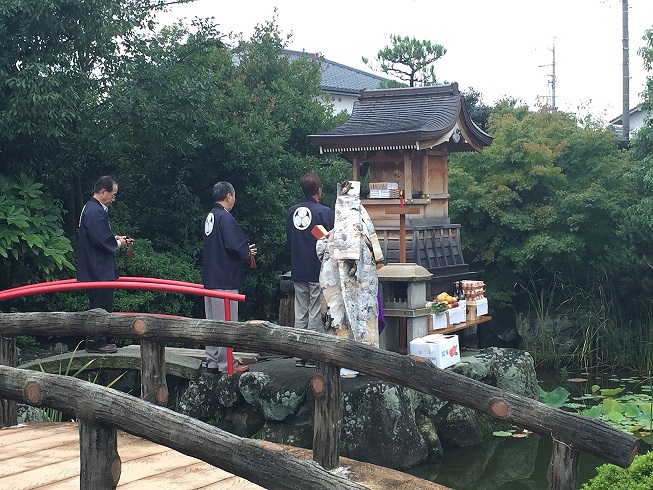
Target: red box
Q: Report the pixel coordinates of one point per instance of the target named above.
(319, 231)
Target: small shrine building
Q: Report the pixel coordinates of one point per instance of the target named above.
(402, 138)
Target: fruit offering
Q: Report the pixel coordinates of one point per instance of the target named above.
(444, 301)
(437, 307)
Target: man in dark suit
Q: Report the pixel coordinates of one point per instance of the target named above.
(97, 248)
(225, 251)
(304, 264)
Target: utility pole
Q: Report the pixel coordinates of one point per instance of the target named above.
(552, 80)
(625, 116)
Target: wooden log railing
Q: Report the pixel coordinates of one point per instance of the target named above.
(571, 433)
(102, 410)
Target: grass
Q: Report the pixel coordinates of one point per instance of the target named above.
(52, 415)
(609, 332)
(539, 337)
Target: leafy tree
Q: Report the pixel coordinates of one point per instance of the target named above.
(87, 89)
(32, 244)
(546, 197)
(478, 111)
(637, 223)
(194, 108)
(57, 59)
(646, 52)
(409, 59)
(638, 476)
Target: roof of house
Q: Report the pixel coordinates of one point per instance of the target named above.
(338, 78)
(406, 118)
(617, 120)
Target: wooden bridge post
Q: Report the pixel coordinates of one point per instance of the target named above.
(327, 415)
(154, 388)
(8, 357)
(100, 465)
(563, 467)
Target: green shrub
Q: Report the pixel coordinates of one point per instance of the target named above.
(638, 476)
(146, 263)
(32, 244)
(149, 263)
(23, 341)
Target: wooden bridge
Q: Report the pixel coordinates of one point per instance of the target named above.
(101, 412)
(40, 455)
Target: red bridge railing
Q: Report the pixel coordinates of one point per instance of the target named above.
(137, 283)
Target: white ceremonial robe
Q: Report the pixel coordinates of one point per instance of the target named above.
(348, 275)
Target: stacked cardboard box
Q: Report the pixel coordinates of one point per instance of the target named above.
(441, 350)
(384, 190)
(475, 309)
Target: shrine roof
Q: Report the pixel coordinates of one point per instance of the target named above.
(406, 118)
(339, 78)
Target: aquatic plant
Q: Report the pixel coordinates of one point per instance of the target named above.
(627, 411)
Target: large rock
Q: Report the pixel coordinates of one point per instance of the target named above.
(511, 370)
(382, 423)
(378, 425)
(560, 327)
(276, 398)
(461, 426)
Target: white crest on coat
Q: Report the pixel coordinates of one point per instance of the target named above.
(208, 224)
(302, 218)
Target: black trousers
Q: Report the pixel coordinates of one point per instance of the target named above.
(99, 298)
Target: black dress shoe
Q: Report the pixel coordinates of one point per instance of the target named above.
(102, 349)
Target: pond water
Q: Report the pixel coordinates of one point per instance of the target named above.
(508, 463)
(502, 464)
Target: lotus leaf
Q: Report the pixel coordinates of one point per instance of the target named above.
(594, 412)
(502, 433)
(556, 398)
(611, 405)
(611, 391)
(615, 416)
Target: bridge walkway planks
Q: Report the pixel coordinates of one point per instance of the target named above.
(46, 456)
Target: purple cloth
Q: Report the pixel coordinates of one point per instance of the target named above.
(381, 317)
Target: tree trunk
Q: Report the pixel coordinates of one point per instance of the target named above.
(154, 388)
(582, 433)
(287, 312)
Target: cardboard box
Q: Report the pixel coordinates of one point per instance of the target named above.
(457, 315)
(476, 309)
(441, 350)
(437, 322)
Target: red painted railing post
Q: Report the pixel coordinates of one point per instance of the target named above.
(230, 351)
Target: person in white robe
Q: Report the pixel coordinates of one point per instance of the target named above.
(348, 277)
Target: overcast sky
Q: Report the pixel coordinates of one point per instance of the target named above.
(499, 47)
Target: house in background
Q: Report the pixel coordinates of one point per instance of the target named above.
(341, 83)
(638, 117)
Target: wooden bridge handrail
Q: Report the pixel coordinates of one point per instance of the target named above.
(577, 432)
(260, 462)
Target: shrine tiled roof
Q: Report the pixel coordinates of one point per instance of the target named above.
(406, 118)
(339, 78)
